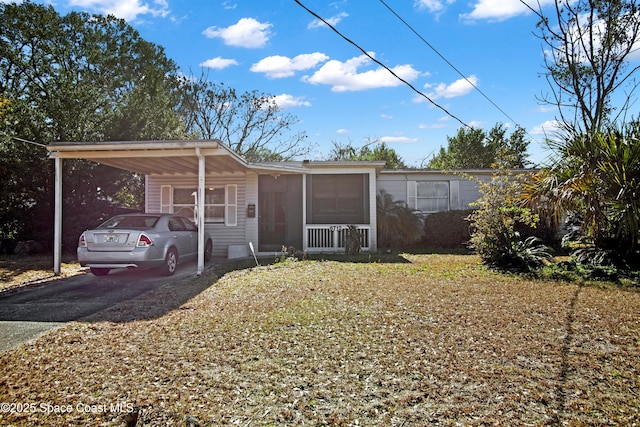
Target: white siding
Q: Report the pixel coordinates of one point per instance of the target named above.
(251, 198)
(223, 235)
(401, 186)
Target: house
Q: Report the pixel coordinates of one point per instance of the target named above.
(305, 204)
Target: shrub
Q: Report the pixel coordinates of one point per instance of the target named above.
(499, 211)
(446, 229)
(525, 255)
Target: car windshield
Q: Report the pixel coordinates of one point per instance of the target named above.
(124, 222)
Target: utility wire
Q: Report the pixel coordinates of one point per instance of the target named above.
(382, 65)
(446, 60)
(27, 141)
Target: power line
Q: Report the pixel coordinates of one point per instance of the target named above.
(446, 60)
(382, 65)
(27, 141)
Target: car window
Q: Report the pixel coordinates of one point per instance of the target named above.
(125, 222)
(175, 224)
(188, 225)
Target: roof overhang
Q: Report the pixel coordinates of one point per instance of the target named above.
(154, 157)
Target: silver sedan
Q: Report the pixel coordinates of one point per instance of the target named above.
(141, 240)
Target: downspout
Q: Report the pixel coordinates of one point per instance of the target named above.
(200, 207)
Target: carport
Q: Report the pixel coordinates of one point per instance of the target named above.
(147, 157)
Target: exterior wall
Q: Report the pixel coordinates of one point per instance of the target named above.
(395, 183)
(251, 198)
(223, 236)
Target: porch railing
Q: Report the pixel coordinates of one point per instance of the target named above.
(333, 237)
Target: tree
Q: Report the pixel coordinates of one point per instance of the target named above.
(74, 78)
(587, 50)
(473, 148)
(251, 123)
(593, 176)
(379, 152)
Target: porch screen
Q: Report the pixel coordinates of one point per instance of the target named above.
(338, 199)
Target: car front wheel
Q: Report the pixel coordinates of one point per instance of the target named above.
(170, 263)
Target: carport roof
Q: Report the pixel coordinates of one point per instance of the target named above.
(163, 157)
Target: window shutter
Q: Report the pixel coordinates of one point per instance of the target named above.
(411, 195)
(454, 195)
(231, 205)
(165, 199)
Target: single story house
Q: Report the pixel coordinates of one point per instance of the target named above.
(305, 204)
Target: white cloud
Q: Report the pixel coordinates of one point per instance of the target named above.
(433, 5)
(398, 140)
(334, 20)
(229, 5)
(499, 10)
(342, 131)
(432, 126)
(460, 87)
(386, 116)
(276, 67)
(247, 32)
(547, 128)
(128, 10)
(345, 77)
(289, 101)
(546, 108)
(218, 63)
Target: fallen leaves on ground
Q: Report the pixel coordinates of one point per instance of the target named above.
(18, 271)
(433, 340)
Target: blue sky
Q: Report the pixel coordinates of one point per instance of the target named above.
(338, 94)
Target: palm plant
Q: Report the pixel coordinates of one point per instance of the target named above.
(596, 177)
(398, 225)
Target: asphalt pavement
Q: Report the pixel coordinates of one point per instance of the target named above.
(33, 310)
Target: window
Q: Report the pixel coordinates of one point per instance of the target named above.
(428, 196)
(184, 202)
(432, 196)
(339, 199)
(214, 206)
(220, 203)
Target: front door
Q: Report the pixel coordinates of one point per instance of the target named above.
(279, 212)
(272, 221)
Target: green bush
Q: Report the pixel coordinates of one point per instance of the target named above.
(494, 223)
(448, 230)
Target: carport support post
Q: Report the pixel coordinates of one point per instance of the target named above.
(57, 217)
(200, 207)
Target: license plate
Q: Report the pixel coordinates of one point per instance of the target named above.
(110, 238)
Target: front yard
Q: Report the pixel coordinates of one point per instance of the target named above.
(426, 340)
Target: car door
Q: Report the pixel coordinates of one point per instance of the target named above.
(192, 231)
(180, 237)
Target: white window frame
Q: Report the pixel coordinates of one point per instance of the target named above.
(413, 201)
(230, 204)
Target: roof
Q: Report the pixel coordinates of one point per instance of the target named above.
(487, 171)
(182, 158)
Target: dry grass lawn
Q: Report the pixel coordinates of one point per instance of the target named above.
(435, 340)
